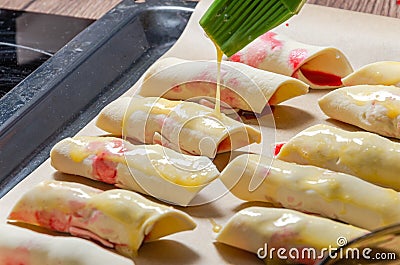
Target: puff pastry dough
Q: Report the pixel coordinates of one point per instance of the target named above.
(379, 73)
(372, 108)
(319, 67)
(366, 155)
(254, 228)
(242, 87)
(183, 126)
(23, 246)
(313, 190)
(149, 169)
(117, 219)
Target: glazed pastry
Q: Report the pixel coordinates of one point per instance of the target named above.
(187, 126)
(313, 190)
(25, 247)
(319, 67)
(372, 108)
(242, 87)
(366, 155)
(149, 169)
(259, 229)
(117, 219)
(379, 73)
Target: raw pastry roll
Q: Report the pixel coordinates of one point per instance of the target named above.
(259, 229)
(25, 247)
(184, 126)
(149, 169)
(379, 73)
(366, 155)
(319, 67)
(313, 190)
(372, 108)
(242, 87)
(117, 219)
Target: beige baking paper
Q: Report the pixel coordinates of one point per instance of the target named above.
(363, 38)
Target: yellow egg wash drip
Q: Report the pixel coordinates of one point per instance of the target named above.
(78, 155)
(386, 99)
(78, 151)
(115, 204)
(392, 110)
(216, 227)
(150, 107)
(172, 175)
(217, 109)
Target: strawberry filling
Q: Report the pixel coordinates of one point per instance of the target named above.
(322, 78)
(103, 169)
(56, 220)
(277, 148)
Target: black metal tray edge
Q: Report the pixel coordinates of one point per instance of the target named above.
(69, 89)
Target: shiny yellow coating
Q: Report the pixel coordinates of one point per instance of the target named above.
(378, 73)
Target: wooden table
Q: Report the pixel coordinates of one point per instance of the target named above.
(96, 8)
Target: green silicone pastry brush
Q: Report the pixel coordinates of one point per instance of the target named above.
(232, 24)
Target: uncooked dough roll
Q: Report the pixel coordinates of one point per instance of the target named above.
(372, 108)
(319, 67)
(23, 246)
(379, 73)
(242, 87)
(313, 190)
(150, 169)
(260, 229)
(117, 219)
(366, 155)
(187, 126)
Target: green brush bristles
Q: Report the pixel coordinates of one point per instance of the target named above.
(232, 24)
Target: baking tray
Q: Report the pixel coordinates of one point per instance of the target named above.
(28, 39)
(96, 67)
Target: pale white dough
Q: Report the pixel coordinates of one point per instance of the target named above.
(116, 218)
(278, 53)
(378, 73)
(366, 155)
(374, 108)
(149, 169)
(23, 246)
(313, 190)
(242, 87)
(254, 228)
(188, 126)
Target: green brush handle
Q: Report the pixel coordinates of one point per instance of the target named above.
(232, 24)
(294, 5)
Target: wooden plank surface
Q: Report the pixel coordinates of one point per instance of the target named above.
(12, 4)
(79, 8)
(390, 8)
(96, 8)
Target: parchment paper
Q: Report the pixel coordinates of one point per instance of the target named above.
(363, 38)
